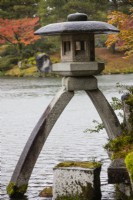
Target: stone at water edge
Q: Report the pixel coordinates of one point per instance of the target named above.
(46, 192)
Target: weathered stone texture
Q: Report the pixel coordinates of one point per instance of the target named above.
(76, 182)
(117, 172)
(79, 83)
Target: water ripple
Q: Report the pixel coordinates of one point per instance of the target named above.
(23, 101)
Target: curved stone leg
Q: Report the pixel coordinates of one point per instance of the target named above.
(106, 113)
(32, 149)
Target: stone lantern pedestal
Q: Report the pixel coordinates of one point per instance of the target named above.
(75, 182)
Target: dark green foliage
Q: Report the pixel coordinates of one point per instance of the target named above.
(8, 50)
(96, 10)
(8, 58)
(43, 45)
(129, 101)
(55, 10)
(7, 62)
(27, 63)
(121, 5)
(18, 9)
(119, 143)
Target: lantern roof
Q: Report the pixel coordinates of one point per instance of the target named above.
(77, 24)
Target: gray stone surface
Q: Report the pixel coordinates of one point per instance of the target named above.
(127, 112)
(73, 27)
(79, 48)
(107, 114)
(125, 191)
(38, 137)
(77, 17)
(78, 83)
(78, 68)
(77, 182)
(117, 172)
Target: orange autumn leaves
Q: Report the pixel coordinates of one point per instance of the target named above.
(123, 40)
(18, 31)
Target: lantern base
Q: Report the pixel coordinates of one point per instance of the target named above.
(78, 68)
(79, 83)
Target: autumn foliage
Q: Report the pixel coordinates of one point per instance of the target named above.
(18, 31)
(123, 40)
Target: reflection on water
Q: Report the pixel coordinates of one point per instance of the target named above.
(20, 198)
(23, 101)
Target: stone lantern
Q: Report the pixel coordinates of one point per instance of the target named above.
(77, 44)
(78, 67)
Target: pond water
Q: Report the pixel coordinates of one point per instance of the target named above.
(22, 101)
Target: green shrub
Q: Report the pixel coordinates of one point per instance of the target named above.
(7, 62)
(120, 146)
(119, 143)
(28, 62)
(8, 50)
(129, 164)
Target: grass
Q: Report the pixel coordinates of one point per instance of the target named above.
(15, 71)
(114, 63)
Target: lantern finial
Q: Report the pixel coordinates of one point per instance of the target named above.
(77, 17)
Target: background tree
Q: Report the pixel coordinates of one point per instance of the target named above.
(121, 5)
(124, 39)
(15, 9)
(18, 32)
(55, 10)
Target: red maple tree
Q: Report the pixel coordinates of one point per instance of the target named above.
(124, 39)
(18, 31)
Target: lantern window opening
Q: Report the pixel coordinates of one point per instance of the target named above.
(67, 47)
(80, 46)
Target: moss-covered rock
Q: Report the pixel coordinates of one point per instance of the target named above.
(79, 164)
(15, 191)
(46, 192)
